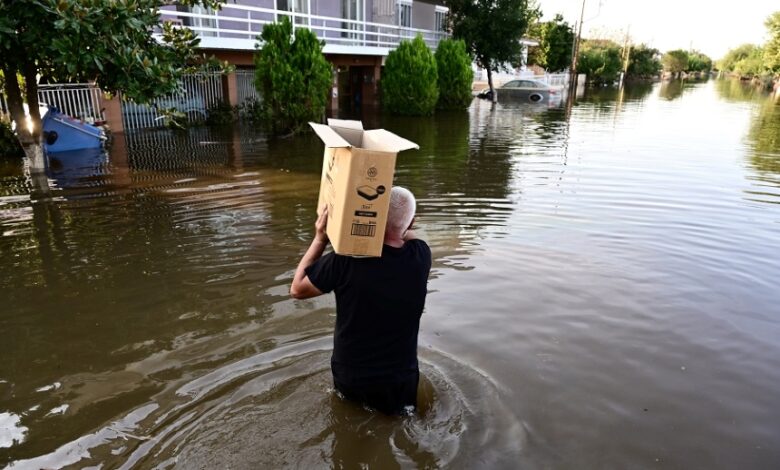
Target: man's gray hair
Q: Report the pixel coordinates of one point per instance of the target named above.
(402, 209)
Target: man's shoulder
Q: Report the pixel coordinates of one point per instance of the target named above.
(420, 251)
(418, 243)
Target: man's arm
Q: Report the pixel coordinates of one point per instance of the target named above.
(301, 287)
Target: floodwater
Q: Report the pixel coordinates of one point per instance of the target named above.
(604, 295)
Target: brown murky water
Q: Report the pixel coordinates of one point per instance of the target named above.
(604, 295)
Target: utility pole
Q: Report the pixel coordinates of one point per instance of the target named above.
(573, 78)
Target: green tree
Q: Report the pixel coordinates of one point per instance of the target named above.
(556, 40)
(643, 62)
(752, 65)
(600, 59)
(107, 41)
(729, 61)
(410, 79)
(492, 30)
(698, 62)
(453, 66)
(772, 47)
(292, 75)
(675, 62)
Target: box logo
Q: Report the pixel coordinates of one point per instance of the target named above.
(370, 193)
(372, 172)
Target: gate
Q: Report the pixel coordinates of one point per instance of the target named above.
(199, 92)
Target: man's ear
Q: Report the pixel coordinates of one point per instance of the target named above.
(411, 224)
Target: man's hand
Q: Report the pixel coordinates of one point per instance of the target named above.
(321, 226)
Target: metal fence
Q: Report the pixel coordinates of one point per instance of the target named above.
(554, 79)
(245, 82)
(198, 93)
(79, 100)
(499, 78)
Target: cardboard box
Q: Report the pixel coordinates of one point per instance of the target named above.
(357, 175)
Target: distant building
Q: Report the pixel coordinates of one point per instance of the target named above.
(358, 34)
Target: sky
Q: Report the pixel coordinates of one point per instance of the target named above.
(710, 26)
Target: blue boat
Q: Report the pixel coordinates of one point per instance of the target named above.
(62, 133)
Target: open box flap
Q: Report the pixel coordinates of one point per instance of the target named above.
(351, 131)
(329, 136)
(386, 141)
(346, 124)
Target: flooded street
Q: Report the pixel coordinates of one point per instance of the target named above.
(604, 294)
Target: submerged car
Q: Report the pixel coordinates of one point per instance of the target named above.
(532, 91)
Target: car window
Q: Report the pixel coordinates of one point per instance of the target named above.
(512, 84)
(527, 84)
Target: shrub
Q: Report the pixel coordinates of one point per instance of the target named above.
(600, 60)
(251, 110)
(293, 77)
(172, 118)
(453, 66)
(409, 80)
(643, 62)
(221, 114)
(9, 144)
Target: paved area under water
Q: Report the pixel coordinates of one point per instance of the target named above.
(604, 295)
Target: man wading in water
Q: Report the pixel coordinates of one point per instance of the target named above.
(379, 302)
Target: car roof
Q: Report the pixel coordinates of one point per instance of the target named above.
(538, 82)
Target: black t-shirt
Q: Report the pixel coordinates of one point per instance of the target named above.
(379, 302)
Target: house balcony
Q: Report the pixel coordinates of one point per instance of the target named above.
(237, 27)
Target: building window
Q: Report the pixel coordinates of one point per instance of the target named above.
(440, 19)
(197, 23)
(404, 13)
(352, 10)
(295, 6)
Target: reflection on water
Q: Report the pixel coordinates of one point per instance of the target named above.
(765, 141)
(763, 136)
(603, 294)
(609, 95)
(674, 89)
(740, 91)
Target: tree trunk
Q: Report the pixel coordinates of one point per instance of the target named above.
(34, 150)
(36, 160)
(493, 96)
(39, 181)
(16, 104)
(31, 141)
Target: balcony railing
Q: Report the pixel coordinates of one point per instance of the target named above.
(237, 27)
